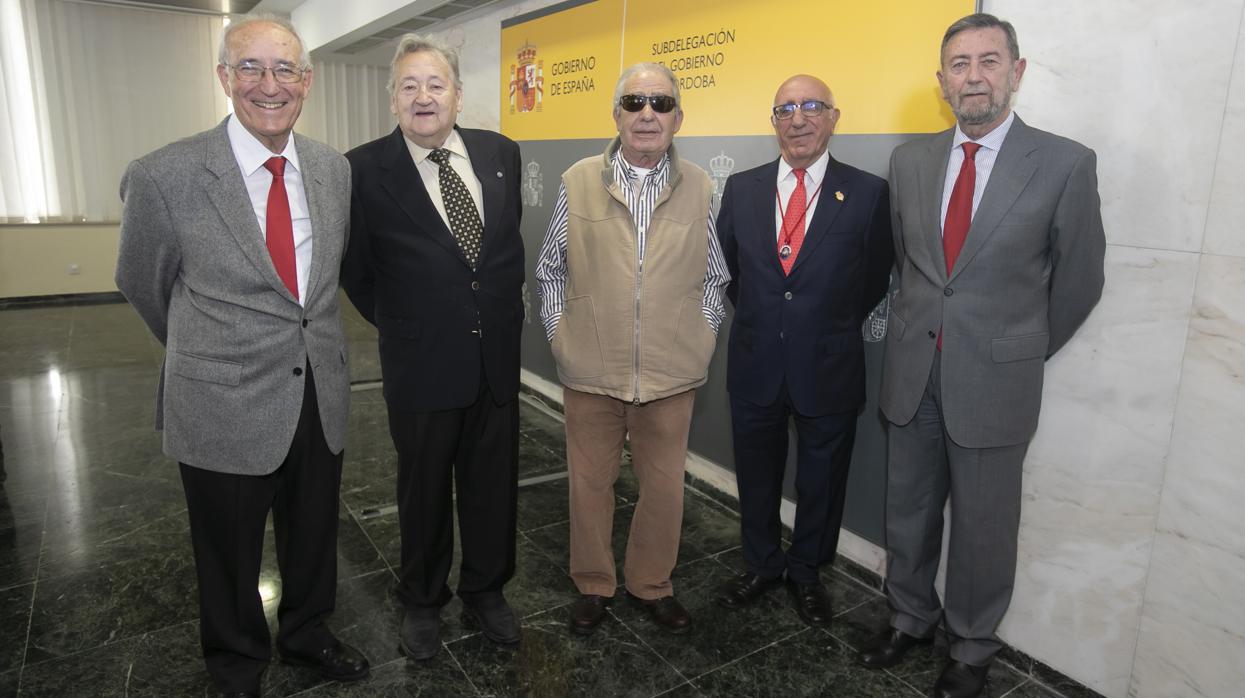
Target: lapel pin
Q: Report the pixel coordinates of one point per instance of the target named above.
(838, 195)
(499, 174)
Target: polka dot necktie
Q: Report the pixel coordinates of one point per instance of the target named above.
(460, 208)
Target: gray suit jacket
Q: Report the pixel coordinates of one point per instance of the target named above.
(1029, 273)
(194, 265)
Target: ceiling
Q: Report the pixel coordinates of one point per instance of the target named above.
(364, 49)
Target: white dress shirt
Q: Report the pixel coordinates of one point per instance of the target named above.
(251, 156)
(983, 161)
(814, 174)
(430, 173)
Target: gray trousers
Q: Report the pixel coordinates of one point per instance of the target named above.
(925, 466)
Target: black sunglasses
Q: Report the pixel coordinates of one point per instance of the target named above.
(662, 104)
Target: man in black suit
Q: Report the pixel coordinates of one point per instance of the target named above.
(435, 261)
(808, 243)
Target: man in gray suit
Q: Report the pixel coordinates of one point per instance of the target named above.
(999, 248)
(231, 242)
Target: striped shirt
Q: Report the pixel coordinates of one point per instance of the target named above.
(641, 194)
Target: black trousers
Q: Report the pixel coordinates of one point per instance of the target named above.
(823, 456)
(227, 519)
(474, 449)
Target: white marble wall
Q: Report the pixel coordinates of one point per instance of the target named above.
(1132, 555)
(1132, 550)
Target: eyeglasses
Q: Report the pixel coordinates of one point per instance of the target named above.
(812, 107)
(662, 104)
(254, 72)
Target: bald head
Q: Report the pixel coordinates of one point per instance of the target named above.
(805, 128)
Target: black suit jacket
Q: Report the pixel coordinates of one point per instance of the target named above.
(443, 327)
(804, 328)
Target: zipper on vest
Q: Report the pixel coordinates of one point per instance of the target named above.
(635, 349)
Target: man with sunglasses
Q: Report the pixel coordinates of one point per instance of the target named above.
(808, 244)
(230, 246)
(631, 280)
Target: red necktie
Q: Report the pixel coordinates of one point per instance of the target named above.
(280, 233)
(793, 224)
(959, 211)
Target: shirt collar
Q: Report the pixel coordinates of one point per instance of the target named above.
(992, 141)
(624, 171)
(454, 144)
(250, 153)
(814, 172)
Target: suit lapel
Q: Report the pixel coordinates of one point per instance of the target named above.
(229, 195)
(313, 189)
(1013, 168)
(407, 189)
(491, 175)
(828, 207)
(932, 178)
(765, 241)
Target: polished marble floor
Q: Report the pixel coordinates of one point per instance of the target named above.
(97, 593)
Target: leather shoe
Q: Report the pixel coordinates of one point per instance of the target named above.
(812, 602)
(420, 637)
(338, 662)
(668, 613)
(960, 680)
(588, 612)
(744, 589)
(495, 617)
(238, 694)
(887, 648)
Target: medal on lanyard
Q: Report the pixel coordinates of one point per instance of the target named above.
(785, 250)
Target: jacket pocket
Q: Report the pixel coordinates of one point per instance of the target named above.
(840, 343)
(694, 341)
(576, 344)
(1029, 346)
(201, 368)
(398, 327)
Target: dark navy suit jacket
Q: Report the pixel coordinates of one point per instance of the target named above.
(804, 328)
(443, 326)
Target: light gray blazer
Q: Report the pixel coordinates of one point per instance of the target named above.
(1029, 273)
(194, 265)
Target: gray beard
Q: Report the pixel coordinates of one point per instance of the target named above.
(981, 115)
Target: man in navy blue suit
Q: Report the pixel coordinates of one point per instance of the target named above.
(808, 243)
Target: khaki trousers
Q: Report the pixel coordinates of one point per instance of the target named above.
(596, 426)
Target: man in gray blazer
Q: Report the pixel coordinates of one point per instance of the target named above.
(999, 248)
(231, 242)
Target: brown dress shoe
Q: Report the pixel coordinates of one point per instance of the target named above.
(588, 612)
(887, 648)
(668, 613)
(960, 680)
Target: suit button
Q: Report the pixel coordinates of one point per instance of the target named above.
(932, 334)
(782, 335)
(304, 323)
(298, 371)
(475, 285)
(948, 292)
(787, 295)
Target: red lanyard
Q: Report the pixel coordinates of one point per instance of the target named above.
(782, 216)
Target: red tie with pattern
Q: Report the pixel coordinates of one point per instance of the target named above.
(959, 211)
(793, 224)
(280, 233)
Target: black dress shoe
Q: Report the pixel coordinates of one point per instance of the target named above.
(668, 613)
(338, 662)
(495, 618)
(887, 648)
(420, 637)
(588, 612)
(238, 694)
(960, 680)
(812, 602)
(744, 589)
